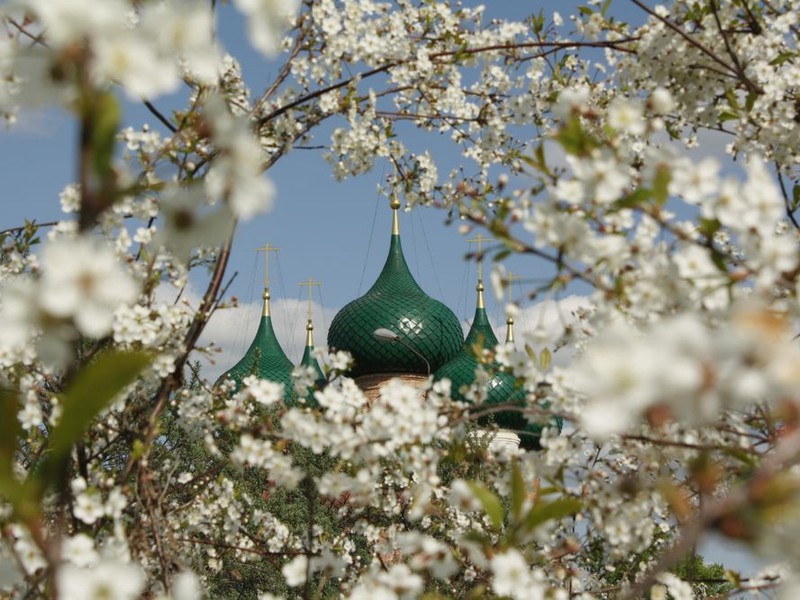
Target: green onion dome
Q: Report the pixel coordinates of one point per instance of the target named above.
(502, 387)
(265, 358)
(396, 302)
(309, 360)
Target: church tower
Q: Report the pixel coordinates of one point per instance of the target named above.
(309, 360)
(395, 329)
(264, 358)
(502, 388)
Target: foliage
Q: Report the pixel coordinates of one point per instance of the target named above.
(124, 474)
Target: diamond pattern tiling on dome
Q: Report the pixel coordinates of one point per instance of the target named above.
(264, 358)
(502, 387)
(396, 302)
(308, 360)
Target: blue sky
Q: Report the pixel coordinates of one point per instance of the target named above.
(335, 232)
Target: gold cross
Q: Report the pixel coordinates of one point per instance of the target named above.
(511, 278)
(480, 239)
(267, 248)
(310, 285)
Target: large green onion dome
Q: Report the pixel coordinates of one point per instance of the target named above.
(265, 357)
(396, 302)
(501, 389)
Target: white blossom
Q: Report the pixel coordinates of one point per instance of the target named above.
(626, 116)
(295, 570)
(105, 581)
(267, 19)
(82, 279)
(513, 577)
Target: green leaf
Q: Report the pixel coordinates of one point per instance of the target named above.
(537, 22)
(732, 101)
(517, 491)
(634, 199)
(531, 353)
(741, 456)
(540, 161)
(661, 184)
(501, 255)
(708, 227)
(104, 119)
(545, 358)
(557, 509)
(92, 390)
(479, 592)
(782, 58)
(574, 139)
(734, 577)
(490, 502)
(719, 261)
(795, 197)
(750, 100)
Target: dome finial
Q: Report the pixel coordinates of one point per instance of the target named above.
(510, 320)
(265, 296)
(394, 204)
(309, 323)
(266, 249)
(480, 239)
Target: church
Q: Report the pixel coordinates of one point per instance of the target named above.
(395, 330)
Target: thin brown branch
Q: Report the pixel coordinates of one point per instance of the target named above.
(37, 39)
(728, 48)
(173, 382)
(159, 115)
(286, 69)
(322, 91)
(615, 45)
(155, 529)
(24, 227)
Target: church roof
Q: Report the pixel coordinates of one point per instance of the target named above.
(309, 360)
(396, 302)
(264, 358)
(502, 387)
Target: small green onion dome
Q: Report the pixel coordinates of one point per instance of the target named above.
(502, 387)
(396, 302)
(265, 358)
(309, 360)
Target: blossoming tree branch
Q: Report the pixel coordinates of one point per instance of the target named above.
(667, 407)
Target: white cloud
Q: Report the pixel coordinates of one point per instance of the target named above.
(542, 324)
(232, 330)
